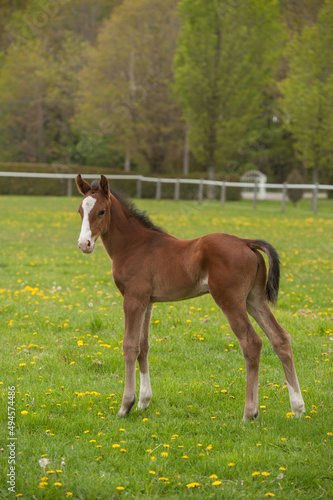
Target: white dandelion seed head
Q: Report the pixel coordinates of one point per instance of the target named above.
(43, 462)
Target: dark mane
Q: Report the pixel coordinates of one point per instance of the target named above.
(138, 214)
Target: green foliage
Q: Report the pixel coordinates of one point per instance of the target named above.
(225, 57)
(124, 88)
(119, 82)
(308, 93)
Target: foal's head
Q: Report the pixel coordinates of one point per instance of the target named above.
(94, 210)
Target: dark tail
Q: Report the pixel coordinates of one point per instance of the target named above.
(273, 280)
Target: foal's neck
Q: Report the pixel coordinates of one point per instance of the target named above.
(124, 229)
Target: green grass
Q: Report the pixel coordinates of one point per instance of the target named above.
(61, 337)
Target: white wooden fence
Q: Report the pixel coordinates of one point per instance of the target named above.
(222, 185)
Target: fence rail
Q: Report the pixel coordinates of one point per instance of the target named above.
(223, 185)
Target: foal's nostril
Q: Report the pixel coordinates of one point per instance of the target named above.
(88, 243)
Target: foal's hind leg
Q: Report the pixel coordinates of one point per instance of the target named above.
(250, 344)
(259, 309)
(145, 389)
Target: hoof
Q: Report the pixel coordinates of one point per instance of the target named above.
(142, 405)
(251, 416)
(125, 408)
(122, 412)
(299, 410)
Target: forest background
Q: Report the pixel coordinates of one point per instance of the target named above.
(181, 87)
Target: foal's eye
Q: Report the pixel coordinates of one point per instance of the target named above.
(101, 212)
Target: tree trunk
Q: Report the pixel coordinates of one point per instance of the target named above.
(315, 174)
(186, 156)
(127, 162)
(211, 177)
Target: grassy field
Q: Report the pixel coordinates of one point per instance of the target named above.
(61, 338)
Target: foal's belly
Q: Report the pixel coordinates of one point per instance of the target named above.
(181, 292)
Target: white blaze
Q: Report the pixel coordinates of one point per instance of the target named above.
(87, 206)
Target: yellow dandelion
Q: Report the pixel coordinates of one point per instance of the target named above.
(57, 484)
(120, 488)
(24, 412)
(192, 485)
(265, 474)
(269, 494)
(152, 472)
(164, 454)
(213, 476)
(231, 464)
(255, 473)
(216, 483)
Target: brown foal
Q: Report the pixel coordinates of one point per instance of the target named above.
(149, 265)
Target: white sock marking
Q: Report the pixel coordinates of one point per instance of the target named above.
(296, 400)
(145, 390)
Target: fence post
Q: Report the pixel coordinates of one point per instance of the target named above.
(200, 194)
(139, 188)
(223, 193)
(177, 190)
(284, 197)
(158, 189)
(69, 187)
(315, 198)
(255, 194)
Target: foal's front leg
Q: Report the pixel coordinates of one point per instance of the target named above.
(145, 389)
(134, 313)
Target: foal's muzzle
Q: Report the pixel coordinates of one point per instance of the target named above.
(87, 246)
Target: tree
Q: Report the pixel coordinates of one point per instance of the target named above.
(308, 93)
(44, 45)
(226, 55)
(125, 87)
(299, 13)
(37, 88)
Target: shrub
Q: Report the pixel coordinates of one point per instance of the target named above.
(295, 195)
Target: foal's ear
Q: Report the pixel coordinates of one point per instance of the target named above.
(82, 185)
(104, 186)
